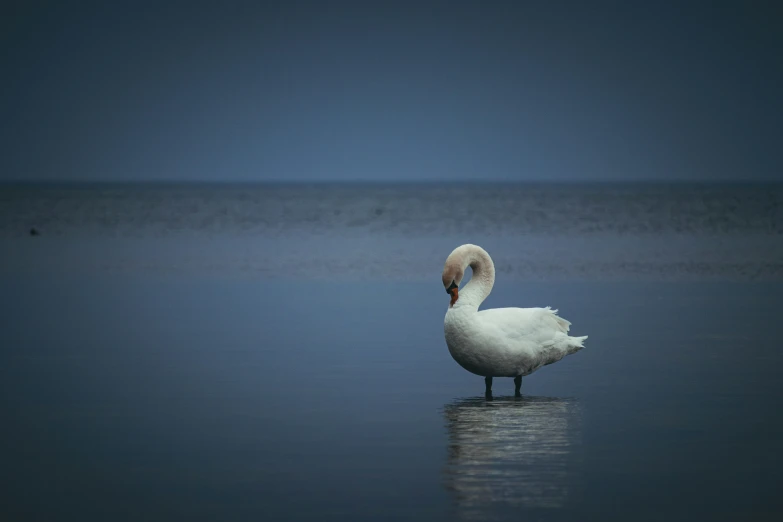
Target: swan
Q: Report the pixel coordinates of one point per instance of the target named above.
(500, 342)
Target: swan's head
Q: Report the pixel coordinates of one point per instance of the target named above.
(452, 277)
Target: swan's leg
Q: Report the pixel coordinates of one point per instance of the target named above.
(488, 384)
(518, 385)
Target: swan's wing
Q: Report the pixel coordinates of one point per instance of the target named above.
(538, 325)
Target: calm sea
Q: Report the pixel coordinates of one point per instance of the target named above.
(276, 353)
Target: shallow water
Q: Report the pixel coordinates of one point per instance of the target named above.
(172, 375)
(153, 397)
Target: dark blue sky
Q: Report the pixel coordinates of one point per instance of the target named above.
(393, 91)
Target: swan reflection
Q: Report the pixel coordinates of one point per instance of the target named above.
(512, 452)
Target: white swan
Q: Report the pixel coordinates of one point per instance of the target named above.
(500, 342)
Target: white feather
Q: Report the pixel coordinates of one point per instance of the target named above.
(501, 342)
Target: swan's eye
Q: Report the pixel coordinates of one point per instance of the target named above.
(451, 287)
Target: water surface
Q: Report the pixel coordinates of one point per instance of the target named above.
(138, 385)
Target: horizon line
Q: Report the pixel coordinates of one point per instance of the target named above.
(390, 182)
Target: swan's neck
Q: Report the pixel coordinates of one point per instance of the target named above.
(482, 280)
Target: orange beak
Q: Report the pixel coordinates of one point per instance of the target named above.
(454, 296)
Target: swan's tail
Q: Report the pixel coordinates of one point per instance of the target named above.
(575, 344)
(562, 324)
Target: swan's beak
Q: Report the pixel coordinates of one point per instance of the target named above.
(453, 291)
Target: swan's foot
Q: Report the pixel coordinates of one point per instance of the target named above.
(517, 386)
(488, 384)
